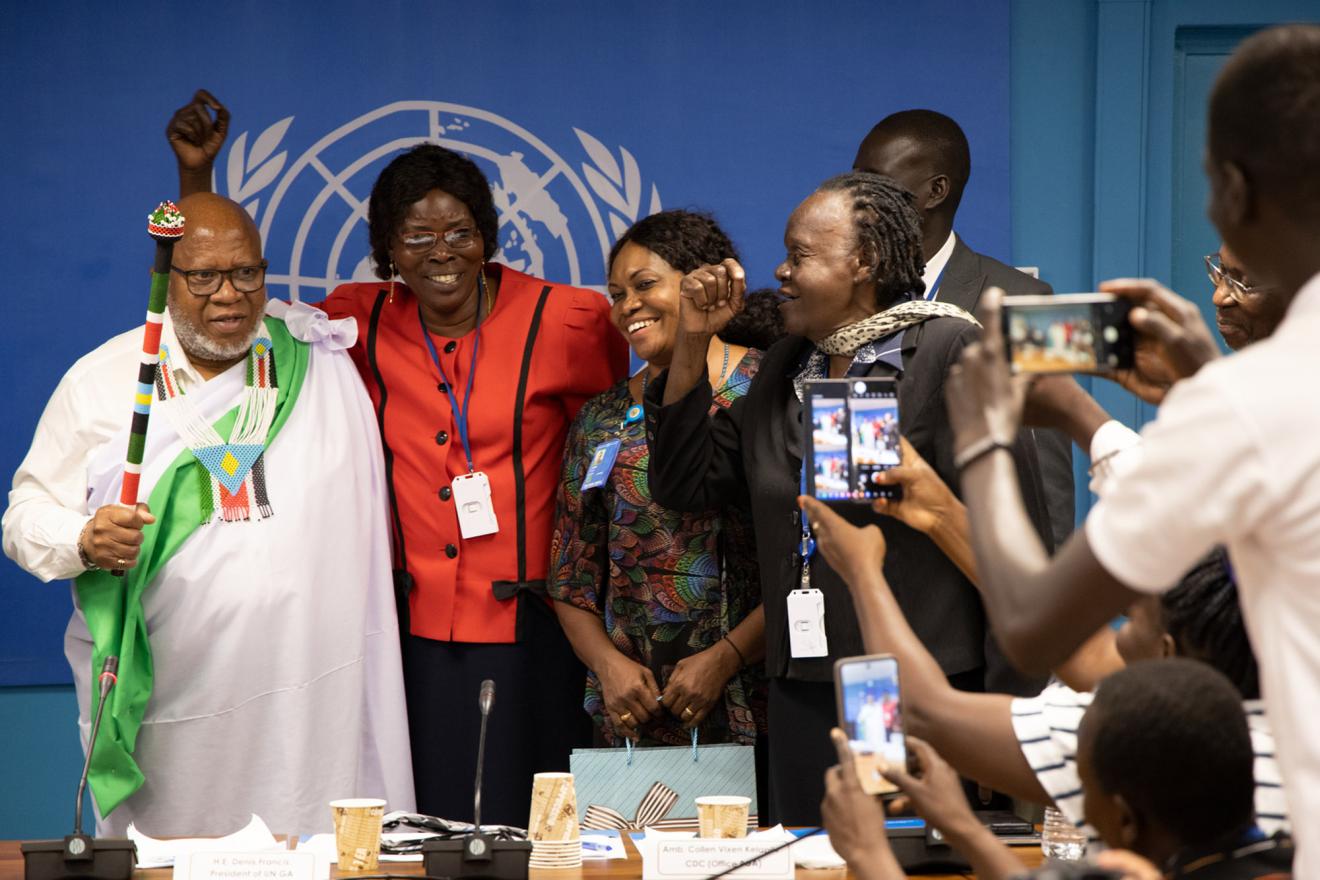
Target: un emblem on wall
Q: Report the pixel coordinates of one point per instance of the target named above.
(557, 221)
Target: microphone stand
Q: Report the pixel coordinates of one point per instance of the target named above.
(478, 855)
(79, 855)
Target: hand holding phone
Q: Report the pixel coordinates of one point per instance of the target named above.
(1068, 333)
(1173, 340)
(850, 815)
(932, 788)
(871, 717)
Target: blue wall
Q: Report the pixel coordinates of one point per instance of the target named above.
(584, 116)
(738, 106)
(1092, 161)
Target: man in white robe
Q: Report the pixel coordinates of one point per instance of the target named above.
(275, 681)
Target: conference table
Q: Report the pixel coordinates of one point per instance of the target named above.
(11, 866)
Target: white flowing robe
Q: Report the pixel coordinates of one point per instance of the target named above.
(278, 683)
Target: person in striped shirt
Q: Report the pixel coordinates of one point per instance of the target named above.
(1166, 757)
(1027, 747)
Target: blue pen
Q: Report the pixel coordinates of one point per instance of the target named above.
(596, 847)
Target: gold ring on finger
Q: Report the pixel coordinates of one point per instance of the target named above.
(626, 718)
(688, 713)
(123, 563)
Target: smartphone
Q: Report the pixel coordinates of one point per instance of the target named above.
(1068, 333)
(871, 715)
(854, 437)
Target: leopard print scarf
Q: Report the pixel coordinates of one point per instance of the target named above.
(847, 340)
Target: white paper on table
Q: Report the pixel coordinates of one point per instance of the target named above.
(776, 833)
(605, 846)
(155, 853)
(816, 852)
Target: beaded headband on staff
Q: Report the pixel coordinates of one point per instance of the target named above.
(165, 225)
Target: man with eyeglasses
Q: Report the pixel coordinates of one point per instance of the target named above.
(255, 579)
(1244, 312)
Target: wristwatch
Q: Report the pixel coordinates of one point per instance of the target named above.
(86, 560)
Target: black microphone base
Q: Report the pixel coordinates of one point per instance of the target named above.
(477, 855)
(79, 856)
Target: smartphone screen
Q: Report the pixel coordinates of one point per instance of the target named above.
(1068, 333)
(854, 436)
(871, 715)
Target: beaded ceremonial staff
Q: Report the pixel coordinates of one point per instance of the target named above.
(165, 225)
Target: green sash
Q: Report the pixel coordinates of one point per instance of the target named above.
(113, 605)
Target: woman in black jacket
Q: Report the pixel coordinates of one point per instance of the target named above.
(851, 285)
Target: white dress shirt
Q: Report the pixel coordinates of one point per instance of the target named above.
(935, 265)
(1233, 458)
(93, 402)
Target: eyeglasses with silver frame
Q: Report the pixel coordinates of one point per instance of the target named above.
(1239, 292)
(207, 282)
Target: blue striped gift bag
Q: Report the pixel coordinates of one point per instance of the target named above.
(634, 788)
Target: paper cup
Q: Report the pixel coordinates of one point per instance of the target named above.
(554, 815)
(556, 854)
(719, 817)
(357, 832)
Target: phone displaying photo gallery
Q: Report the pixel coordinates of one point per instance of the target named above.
(854, 437)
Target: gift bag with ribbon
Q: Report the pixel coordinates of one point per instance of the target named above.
(630, 789)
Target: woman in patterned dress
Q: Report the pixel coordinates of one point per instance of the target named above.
(662, 607)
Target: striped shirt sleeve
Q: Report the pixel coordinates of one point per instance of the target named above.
(1046, 728)
(1271, 808)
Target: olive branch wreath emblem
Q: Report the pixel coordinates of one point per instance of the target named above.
(618, 185)
(617, 182)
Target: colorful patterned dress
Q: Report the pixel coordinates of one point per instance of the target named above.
(666, 585)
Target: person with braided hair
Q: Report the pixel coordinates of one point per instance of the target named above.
(928, 153)
(851, 288)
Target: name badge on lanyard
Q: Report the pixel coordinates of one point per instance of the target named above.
(476, 510)
(806, 605)
(602, 462)
(470, 491)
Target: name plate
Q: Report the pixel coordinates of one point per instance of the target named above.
(696, 859)
(272, 865)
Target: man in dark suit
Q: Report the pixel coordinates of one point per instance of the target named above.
(927, 153)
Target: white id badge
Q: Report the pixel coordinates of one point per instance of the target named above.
(806, 624)
(476, 511)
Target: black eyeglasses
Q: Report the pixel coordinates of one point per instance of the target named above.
(206, 282)
(1240, 293)
(420, 241)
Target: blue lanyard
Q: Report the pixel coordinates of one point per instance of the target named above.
(934, 290)
(460, 414)
(808, 545)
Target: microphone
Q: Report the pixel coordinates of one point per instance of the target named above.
(485, 701)
(80, 855)
(478, 855)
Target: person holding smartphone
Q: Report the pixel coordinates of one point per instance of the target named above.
(852, 268)
(1231, 458)
(1142, 751)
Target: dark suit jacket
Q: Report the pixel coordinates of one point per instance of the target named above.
(751, 453)
(966, 275)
